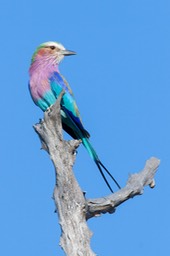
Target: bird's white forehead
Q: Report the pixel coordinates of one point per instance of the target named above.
(57, 45)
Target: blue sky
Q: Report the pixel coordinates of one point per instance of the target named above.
(121, 81)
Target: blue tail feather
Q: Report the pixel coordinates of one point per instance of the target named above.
(99, 164)
(77, 131)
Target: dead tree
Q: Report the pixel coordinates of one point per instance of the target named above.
(72, 207)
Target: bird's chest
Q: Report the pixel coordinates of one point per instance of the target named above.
(39, 85)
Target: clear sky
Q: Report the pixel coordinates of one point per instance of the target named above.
(121, 81)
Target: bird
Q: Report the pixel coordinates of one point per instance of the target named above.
(45, 85)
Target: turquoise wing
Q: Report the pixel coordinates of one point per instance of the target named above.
(70, 114)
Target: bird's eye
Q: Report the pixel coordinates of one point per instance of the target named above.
(52, 47)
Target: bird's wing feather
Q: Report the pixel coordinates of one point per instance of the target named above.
(69, 106)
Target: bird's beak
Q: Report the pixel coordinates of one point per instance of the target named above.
(67, 52)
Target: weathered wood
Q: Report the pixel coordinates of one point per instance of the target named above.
(135, 186)
(72, 207)
(69, 199)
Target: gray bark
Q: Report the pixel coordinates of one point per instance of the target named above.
(135, 186)
(72, 207)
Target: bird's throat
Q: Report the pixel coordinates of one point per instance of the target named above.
(43, 68)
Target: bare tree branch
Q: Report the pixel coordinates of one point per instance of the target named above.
(135, 186)
(72, 207)
(68, 197)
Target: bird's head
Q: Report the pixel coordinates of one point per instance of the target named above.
(51, 52)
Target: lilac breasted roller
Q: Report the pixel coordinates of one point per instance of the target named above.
(46, 84)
